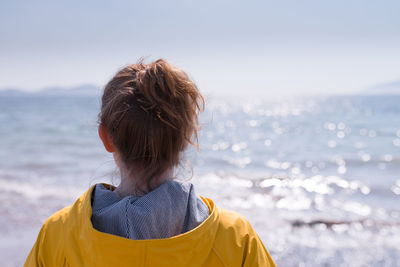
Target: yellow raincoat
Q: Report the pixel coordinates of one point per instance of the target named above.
(225, 238)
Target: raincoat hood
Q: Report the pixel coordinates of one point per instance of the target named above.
(225, 238)
(171, 209)
(181, 249)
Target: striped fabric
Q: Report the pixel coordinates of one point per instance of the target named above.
(171, 209)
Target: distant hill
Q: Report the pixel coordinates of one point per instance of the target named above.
(82, 90)
(390, 88)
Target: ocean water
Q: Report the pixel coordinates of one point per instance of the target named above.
(318, 177)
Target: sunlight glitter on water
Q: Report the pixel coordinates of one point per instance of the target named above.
(317, 178)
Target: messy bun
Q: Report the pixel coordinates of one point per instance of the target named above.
(151, 113)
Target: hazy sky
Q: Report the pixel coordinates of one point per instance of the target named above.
(247, 47)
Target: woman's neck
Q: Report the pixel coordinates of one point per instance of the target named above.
(130, 187)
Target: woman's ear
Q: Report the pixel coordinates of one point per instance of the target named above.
(105, 138)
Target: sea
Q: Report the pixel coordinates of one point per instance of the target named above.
(318, 177)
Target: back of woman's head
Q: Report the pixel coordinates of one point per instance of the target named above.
(150, 112)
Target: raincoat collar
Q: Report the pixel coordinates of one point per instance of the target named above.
(192, 244)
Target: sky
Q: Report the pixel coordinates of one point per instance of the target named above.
(227, 47)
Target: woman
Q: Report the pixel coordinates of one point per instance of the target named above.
(149, 115)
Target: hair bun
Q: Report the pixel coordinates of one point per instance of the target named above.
(166, 92)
